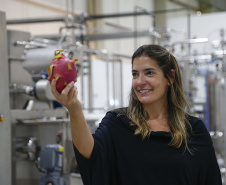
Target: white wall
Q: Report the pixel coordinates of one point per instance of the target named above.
(27, 9)
(143, 22)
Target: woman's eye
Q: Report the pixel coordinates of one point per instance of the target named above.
(134, 74)
(150, 73)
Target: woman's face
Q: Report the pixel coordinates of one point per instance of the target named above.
(149, 83)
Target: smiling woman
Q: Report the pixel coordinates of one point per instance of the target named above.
(157, 100)
(153, 140)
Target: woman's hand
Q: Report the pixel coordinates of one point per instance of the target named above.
(68, 97)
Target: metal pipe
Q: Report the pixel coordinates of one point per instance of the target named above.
(121, 84)
(59, 43)
(67, 7)
(113, 83)
(92, 17)
(135, 29)
(43, 121)
(82, 82)
(32, 44)
(90, 80)
(45, 41)
(68, 27)
(189, 29)
(135, 23)
(36, 20)
(108, 84)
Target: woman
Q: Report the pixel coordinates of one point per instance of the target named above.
(151, 142)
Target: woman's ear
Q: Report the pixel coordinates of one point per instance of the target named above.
(172, 78)
(173, 74)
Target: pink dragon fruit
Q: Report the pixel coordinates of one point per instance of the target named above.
(62, 69)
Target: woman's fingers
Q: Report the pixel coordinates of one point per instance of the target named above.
(71, 93)
(68, 88)
(67, 96)
(53, 89)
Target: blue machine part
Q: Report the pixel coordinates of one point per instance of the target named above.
(51, 159)
(44, 75)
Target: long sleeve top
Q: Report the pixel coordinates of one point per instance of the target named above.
(121, 158)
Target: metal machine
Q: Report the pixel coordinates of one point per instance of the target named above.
(35, 118)
(5, 126)
(51, 163)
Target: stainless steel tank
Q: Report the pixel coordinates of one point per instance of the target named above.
(38, 59)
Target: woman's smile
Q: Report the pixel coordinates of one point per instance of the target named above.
(145, 91)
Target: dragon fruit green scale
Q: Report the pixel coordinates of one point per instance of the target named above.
(62, 69)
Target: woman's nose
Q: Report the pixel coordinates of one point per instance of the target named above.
(141, 80)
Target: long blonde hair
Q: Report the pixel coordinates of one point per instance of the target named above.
(175, 97)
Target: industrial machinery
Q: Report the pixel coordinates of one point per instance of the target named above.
(204, 79)
(51, 164)
(36, 119)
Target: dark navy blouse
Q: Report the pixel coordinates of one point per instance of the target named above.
(121, 158)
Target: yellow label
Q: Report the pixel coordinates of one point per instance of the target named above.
(1, 118)
(61, 148)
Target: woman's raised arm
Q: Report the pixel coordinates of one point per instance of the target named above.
(81, 135)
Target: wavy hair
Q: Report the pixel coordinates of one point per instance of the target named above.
(176, 98)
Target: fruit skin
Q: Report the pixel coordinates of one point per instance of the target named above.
(63, 70)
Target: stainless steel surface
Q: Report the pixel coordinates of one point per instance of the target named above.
(15, 50)
(43, 90)
(19, 114)
(216, 92)
(186, 73)
(38, 60)
(5, 126)
(26, 148)
(224, 63)
(16, 72)
(30, 45)
(217, 116)
(90, 82)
